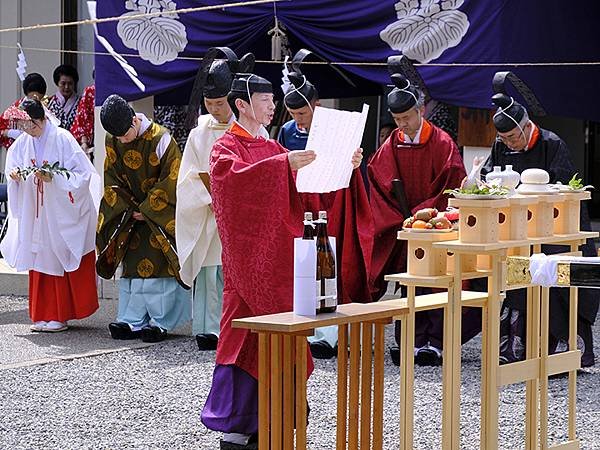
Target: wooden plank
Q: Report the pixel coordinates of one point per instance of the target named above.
(263, 390)
(519, 372)
(475, 127)
(407, 376)
(488, 248)
(432, 236)
(544, 325)
(484, 374)
(478, 203)
(563, 362)
(440, 300)
(342, 387)
(301, 375)
(570, 445)
(288, 393)
(365, 388)
(442, 281)
(349, 313)
(378, 380)
(573, 300)
(354, 405)
(532, 352)
(455, 308)
(276, 397)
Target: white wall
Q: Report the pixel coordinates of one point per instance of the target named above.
(22, 13)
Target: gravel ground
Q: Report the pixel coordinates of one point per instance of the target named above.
(151, 398)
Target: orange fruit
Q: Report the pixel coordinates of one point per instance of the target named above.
(419, 224)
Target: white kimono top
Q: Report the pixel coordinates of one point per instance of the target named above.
(49, 231)
(198, 243)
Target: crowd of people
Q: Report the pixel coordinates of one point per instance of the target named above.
(207, 234)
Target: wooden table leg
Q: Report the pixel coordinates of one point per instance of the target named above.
(354, 405)
(545, 306)
(342, 387)
(365, 390)
(301, 374)
(532, 352)
(288, 392)
(456, 346)
(573, 301)
(407, 372)
(263, 391)
(484, 372)
(495, 286)
(276, 397)
(378, 386)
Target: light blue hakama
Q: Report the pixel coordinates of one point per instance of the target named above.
(208, 300)
(153, 301)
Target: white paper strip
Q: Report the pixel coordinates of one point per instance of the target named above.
(334, 136)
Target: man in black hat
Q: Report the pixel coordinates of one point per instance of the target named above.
(525, 145)
(258, 212)
(198, 243)
(136, 224)
(347, 220)
(427, 161)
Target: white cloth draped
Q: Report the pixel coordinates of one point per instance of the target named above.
(198, 243)
(50, 232)
(543, 268)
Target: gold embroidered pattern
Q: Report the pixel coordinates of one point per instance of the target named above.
(145, 268)
(133, 159)
(159, 200)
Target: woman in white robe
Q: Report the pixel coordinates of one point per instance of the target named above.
(52, 217)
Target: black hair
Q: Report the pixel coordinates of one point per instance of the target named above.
(66, 70)
(232, 97)
(387, 125)
(34, 109)
(34, 82)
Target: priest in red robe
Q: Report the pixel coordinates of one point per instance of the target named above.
(348, 212)
(426, 161)
(258, 213)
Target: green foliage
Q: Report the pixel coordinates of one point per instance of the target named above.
(45, 169)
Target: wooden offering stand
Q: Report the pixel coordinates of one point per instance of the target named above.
(489, 231)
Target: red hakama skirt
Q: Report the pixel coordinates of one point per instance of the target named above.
(71, 296)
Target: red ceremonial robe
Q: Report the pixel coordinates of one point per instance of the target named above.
(349, 219)
(426, 169)
(258, 213)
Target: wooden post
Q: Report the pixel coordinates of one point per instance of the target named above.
(407, 371)
(532, 351)
(545, 307)
(365, 389)
(342, 387)
(573, 300)
(263, 390)
(301, 374)
(378, 386)
(288, 392)
(354, 404)
(276, 397)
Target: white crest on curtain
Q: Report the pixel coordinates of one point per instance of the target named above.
(425, 28)
(158, 39)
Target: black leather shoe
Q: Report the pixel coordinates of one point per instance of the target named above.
(322, 350)
(153, 333)
(251, 445)
(207, 342)
(428, 357)
(122, 331)
(395, 355)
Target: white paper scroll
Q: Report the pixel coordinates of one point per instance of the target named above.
(334, 136)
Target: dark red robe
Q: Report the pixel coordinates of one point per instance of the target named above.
(349, 219)
(258, 213)
(426, 169)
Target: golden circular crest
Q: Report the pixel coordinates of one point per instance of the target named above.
(159, 200)
(153, 159)
(170, 227)
(111, 156)
(110, 196)
(135, 241)
(133, 159)
(164, 243)
(154, 242)
(100, 222)
(174, 170)
(148, 183)
(145, 268)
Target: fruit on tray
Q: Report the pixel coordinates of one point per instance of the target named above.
(431, 219)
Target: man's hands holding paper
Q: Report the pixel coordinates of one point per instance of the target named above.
(301, 158)
(357, 158)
